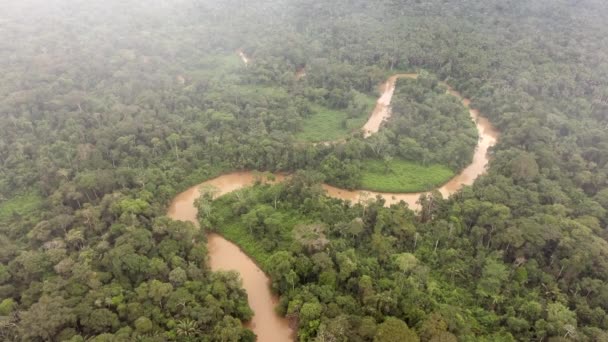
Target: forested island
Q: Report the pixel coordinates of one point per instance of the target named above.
(110, 110)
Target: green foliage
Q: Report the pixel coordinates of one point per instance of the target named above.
(342, 173)
(143, 325)
(326, 124)
(46, 318)
(220, 66)
(310, 312)
(245, 231)
(405, 261)
(560, 319)
(24, 205)
(98, 134)
(402, 176)
(7, 306)
(178, 276)
(393, 329)
(429, 126)
(494, 275)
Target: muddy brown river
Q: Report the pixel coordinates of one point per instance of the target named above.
(382, 111)
(224, 255)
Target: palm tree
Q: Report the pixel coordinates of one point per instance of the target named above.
(187, 327)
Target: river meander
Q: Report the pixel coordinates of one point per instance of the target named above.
(224, 255)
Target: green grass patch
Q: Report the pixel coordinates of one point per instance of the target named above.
(402, 176)
(327, 124)
(396, 71)
(26, 204)
(261, 90)
(222, 63)
(218, 67)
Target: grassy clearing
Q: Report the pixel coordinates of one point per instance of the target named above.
(327, 124)
(261, 90)
(402, 176)
(367, 100)
(222, 63)
(390, 73)
(221, 68)
(23, 205)
(324, 125)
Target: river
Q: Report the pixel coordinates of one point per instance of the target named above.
(224, 255)
(244, 57)
(382, 111)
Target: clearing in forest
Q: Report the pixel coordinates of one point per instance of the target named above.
(326, 124)
(25, 204)
(402, 176)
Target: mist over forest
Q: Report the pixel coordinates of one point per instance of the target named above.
(396, 170)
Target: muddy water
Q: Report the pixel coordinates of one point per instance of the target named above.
(301, 72)
(224, 255)
(382, 111)
(244, 57)
(488, 136)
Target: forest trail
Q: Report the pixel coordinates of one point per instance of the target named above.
(224, 255)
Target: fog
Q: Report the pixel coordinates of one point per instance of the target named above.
(311, 170)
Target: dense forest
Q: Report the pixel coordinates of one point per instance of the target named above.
(108, 109)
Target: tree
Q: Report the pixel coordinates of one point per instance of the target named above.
(99, 321)
(174, 139)
(178, 276)
(279, 266)
(393, 329)
(347, 263)
(7, 306)
(524, 167)
(158, 291)
(405, 261)
(187, 327)
(561, 320)
(311, 237)
(229, 329)
(434, 328)
(493, 277)
(143, 325)
(46, 318)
